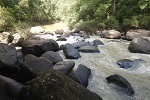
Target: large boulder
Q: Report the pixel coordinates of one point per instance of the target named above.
(112, 34)
(81, 75)
(52, 56)
(33, 66)
(89, 49)
(64, 66)
(70, 51)
(130, 35)
(140, 45)
(38, 47)
(9, 88)
(121, 82)
(52, 85)
(37, 30)
(8, 54)
(79, 44)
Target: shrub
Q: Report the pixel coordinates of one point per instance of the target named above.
(89, 26)
(22, 28)
(6, 20)
(144, 22)
(112, 23)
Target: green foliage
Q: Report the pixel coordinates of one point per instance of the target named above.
(89, 26)
(6, 20)
(114, 14)
(144, 22)
(112, 23)
(22, 28)
(98, 14)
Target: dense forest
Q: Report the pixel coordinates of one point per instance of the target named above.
(88, 15)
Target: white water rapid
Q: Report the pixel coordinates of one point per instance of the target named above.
(104, 64)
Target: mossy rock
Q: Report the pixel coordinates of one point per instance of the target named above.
(53, 85)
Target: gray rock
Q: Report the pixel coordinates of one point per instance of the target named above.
(112, 34)
(140, 45)
(52, 56)
(9, 88)
(130, 35)
(8, 54)
(52, 85)
(80, 44)
(33, 66)
(70, 52)
(89, 49)
(121, 82)
(38, 47)
(81, 75)
(97, 42)
(64, 66)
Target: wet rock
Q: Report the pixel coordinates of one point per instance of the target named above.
(130, 35)
(99, 33)
(140, 45)
(61, 39)
(64, 66)
(8, 54)
(70, 52)
(38, 47)
(52, 56)
(121, 82)
(97, 42)
(112, 34)
(80, 44)
(125, 63)
(52, 85)
(33, 66)
(37, 30)
(89, 49)
(81, 75)
(9, 88)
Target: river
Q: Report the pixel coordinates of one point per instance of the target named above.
(104, 64)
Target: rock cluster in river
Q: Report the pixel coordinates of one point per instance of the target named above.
(42, 73)
(39, 64)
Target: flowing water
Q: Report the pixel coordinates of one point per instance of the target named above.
(104, 64)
